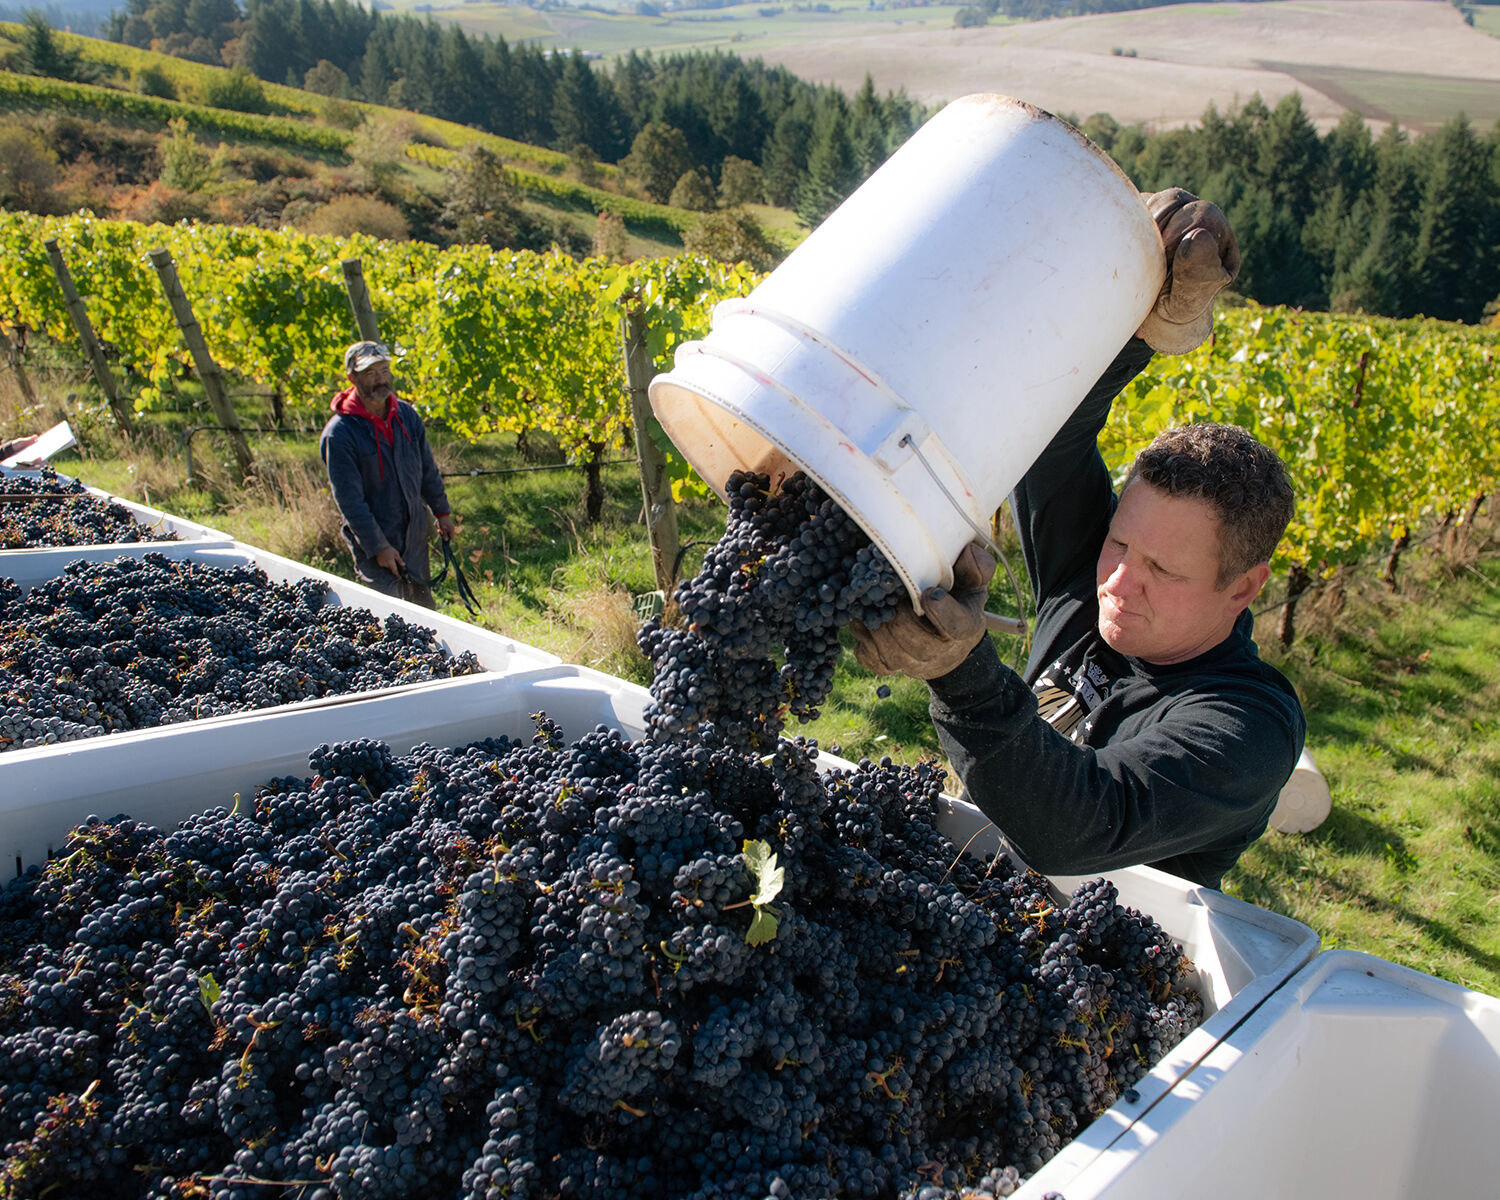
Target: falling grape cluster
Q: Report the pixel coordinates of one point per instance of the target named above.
(606, 969)
(76, 518)
(149, 641)
(761, 618)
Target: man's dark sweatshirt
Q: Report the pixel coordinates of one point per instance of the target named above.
(1112, 761)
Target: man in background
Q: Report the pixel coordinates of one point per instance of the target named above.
(384, 478)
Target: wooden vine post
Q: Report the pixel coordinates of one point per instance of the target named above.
(359, 300)
(209, 374)
(12, 354)
(91, 347)
(1297, 582)
(656, 490)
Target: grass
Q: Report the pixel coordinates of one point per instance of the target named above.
(1401, 688)
(1420, 102)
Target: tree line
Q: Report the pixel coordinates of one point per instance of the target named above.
(812, 144)
(1395, 224)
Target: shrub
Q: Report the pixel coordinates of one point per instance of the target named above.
(732, 236)
(29, 170)
(185, 166)
(609, 237)
(693, 192)
(153, 81)
(238, 90)
(740, 182)
(347, 214)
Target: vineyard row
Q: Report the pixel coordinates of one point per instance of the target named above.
(1380, 422)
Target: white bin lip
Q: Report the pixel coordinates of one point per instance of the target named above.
(1341, 970)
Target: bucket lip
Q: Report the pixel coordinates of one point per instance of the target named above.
(703, 393)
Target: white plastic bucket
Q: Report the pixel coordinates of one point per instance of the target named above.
(918, 351)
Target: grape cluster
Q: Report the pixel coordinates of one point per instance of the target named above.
(521, 969)
(791, 570)
(80, 519)
(150, 641)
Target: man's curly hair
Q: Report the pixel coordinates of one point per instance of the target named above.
(1244, 481)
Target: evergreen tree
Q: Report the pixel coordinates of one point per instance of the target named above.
(785, 155)
(583, 111)
(41, 54)
(1454, 252)
(831, 170)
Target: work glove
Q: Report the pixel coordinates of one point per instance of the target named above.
(1203, 259)
(933, 644)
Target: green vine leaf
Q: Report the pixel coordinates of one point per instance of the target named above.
(769, 878)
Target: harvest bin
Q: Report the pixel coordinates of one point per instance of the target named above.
(66, 767)
(1242, 953)
(1356, 1078)
(145, 516)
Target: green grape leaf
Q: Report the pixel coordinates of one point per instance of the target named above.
(208, 990)
(769, 878)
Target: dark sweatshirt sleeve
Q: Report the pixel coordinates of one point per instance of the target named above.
(433, 491)
(1065, 501)
(347, 485)
(1208, 772)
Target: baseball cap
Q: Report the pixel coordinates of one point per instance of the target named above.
(364, 354)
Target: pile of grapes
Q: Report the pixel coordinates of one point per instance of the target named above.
(604, 970)
(77, 518)
(150, 641)
(791, 570)
(671, 967)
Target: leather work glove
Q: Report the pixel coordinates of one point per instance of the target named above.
(935, 643)
(1203, 259)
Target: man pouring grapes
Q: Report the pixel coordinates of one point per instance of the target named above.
(1145, 729)
(384, 478)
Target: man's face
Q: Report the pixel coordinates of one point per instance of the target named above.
(1157, 578)
(374, 385)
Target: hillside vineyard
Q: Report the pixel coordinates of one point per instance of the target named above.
(684, 966)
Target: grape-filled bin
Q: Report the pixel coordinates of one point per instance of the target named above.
(1241, 953)
(153, 519)
(68, 766)
(1357, 1077)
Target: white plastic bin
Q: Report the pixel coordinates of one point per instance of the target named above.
(162, 775)
(1357, 1078)
(1241, 953)
(70, 767)
(145, 516)
(919, 350)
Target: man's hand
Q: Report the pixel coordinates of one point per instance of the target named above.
(447, 527)
(931, 645)
(390, 560)
(1203, 259)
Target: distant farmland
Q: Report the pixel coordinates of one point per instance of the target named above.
(1412, 61)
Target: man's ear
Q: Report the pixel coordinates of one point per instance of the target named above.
(1248, 585)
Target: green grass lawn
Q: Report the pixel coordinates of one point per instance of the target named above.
(1402, 690)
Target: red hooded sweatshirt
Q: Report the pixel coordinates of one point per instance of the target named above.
(347, 403)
